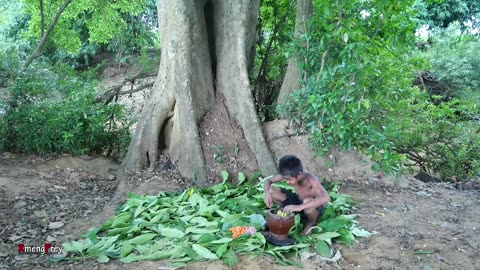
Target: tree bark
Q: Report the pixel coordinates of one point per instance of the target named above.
(293, 76)
(199, 39)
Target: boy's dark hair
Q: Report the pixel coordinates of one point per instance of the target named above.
(290, 165)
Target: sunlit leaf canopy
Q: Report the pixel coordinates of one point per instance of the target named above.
(102, 18)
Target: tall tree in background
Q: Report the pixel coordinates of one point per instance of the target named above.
(443, 13)
(293, 75)
(200, 41)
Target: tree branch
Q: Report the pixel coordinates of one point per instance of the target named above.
(43, 40)
(115, 91)
(42, 20)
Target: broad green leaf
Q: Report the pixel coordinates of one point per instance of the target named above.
(221, 249)
(92, 234)
(326, 236)
(163, 243)
(257, 220)
(248, 244)
(157, 255)
(361, 232)
(323, 249)
(74, 246)
(224, 175)
(334, 224)
(346, 236)
(205, 239)
(196, 230)
(230, 258)
(139, 210)
(106, 242)
(241, 178)
(191, 253)
(295, 246)
(204, 252)
(142, 239)
(254, 177)
(144, 249)
(103, 259)
(158, 216)
(187, 218)
(126, 249)
(172, 233)
(222, 240)
(198, 220)
(121, 220)
(117, 231)
(221, 213)
(208, 211)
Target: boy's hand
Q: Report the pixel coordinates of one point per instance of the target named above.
(292, 208)
(268, 200)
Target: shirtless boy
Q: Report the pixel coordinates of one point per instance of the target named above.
(310, 195)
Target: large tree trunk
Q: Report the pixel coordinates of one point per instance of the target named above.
(198, 39)
(293, 76)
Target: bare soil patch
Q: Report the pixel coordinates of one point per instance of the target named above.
(223, 143)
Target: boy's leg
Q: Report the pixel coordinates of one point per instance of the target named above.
(312, 215)
(283, 197)
(277, 195)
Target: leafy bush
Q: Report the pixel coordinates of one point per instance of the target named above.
(454, 62)
(359, 95)
(51, 109)
(355, 74)
(442, 138)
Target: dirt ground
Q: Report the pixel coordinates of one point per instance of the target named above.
(418, 225)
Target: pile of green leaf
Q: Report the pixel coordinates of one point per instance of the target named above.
(193, 226)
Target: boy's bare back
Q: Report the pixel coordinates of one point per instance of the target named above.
(309, 187)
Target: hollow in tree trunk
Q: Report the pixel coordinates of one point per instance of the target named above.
(205, 50)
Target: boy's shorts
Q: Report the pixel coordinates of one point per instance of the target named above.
(293, 199)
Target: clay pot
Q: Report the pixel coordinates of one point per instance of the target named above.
(279, 226)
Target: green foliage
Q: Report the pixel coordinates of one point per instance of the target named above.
(51, 109)
(359, 94)
(276, 26)
(441, 138)
(9, 11)
(355, 74)
(193, 225)
(443, 13)
(104, 22)
(454, 63)
(219, 153)
(139, 35)
(87, 28)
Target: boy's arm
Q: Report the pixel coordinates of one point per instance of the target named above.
(268, 182)
(266, 188)
(317, 201)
